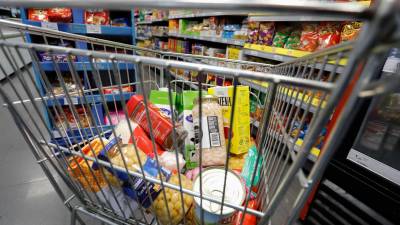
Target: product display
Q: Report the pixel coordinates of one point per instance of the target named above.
(63, 15)
(266, 33)
(38, 14)
(97, 16)
(350, 31)
(209, 138)
(281, 36)
(309, 37)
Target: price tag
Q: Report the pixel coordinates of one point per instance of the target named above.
(49, 25)
(93, 29)
(74, 101)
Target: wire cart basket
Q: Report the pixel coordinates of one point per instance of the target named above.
(102, 169)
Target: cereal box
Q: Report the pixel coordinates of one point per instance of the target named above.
(241, 121)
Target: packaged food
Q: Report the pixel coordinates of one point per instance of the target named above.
(350, 31)
(281, 35)
(115, 90)
(213, 184)
(97, 16)
(185, 106)
(309, 37)
(253, 32)
(142, 141)
(328, 34)
(115, 117)
(293, 41)
(241, 120)
(249, 166)
(63, 15)
(211, 132)
(38, 14)
(120, 22)
(160, 98)
(93, 180)
(169, 162)
(161, 125)
(127, 153)
(248, 219)
(174, 200)
(266, 33)
(236, 162)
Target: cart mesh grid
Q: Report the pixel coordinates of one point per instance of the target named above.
(285, 92)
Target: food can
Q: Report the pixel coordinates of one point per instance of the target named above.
(212, 185)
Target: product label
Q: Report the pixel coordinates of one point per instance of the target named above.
(210, 132)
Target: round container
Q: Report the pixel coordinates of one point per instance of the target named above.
(212, 184)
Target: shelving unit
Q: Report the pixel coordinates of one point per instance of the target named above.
(210, 39)
(82, 65)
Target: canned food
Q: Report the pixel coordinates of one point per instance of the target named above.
(212, 185)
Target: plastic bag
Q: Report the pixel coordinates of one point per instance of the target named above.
(253, 32)
(281, 36)
(309, 37)
(266, 34)
(328, 35)
(97, 16)
(168, 161)
(38, 14)
(60, 15)
(350, 31)
(293, 41)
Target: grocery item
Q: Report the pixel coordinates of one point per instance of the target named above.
(174, 199)
(350, 31)
(212, 185)
(160, 98)
(115, 116)
(249, 166)
(140, 137)
(236, 162)
(38, 14)
(266, 33)
(186, 99)
(248, 219)
(168, 161)
(210, 134)
(253, 32)
(241, 120)
(97, 17)
(309, 37)
(127, 153)
(293, 41)
(161, 126)
(281, 35)
(115, 90)
(192, 174)
(328, 34)
(79, 169)
(63, 15)
(120, 22)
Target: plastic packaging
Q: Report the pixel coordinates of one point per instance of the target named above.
(249, 166)
(309, 37)
(212, 130)
(293, 41)
(168, 161)
(350, 31)
(162, 127)
(253, 32)
(38, 14)
(63, 15)
(281, 36)
(97, 16)
(328, 34)
(266, 33)
(248, 219)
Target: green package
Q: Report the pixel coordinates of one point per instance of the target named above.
(281, 36)
(249, 166)
(160, 98)
(293, 42)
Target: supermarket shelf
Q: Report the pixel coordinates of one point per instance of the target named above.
(143, 22)
(259, 86)
(143, 38)
(84, 28)
(210, 39)
(96, 98)
(285, 55)
(82, 66)
(151, 21)
(157, 35)
(206, 14)
(191, 85)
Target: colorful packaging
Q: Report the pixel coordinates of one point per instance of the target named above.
(249, 166)
(241, 121)
(161, 126)
(281, 36)
(266, 34)
(115, 117)
(186, 118)
(293, 41)
(38, 15)
(350, 31)
(328, 34)
(160, 99)
(253, 32)
(248, 219)
(63, 15)
(309, 37)
(97, 16)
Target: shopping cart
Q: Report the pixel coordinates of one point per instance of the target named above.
(327, 83)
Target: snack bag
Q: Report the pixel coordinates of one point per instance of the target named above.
(249, 166)
(266, 34)
(309, 37)
(328, 35)
(281, 36)
(350, 31)
(38, 14)
(241, 121)
(253, 32)
(97, 16)
(60, 15)
(293, 41)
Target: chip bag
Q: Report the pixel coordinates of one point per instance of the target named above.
(309, 37)
(266, 34)
(293, 41)
(281, 36)
(350, 31)
(328, 35)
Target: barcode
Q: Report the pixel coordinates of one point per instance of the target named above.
(214, 139)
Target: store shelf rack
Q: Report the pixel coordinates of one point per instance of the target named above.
(210, 39)
(207, 13)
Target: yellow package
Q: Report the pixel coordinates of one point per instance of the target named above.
(241, 120)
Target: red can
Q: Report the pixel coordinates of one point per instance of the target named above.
(161, 125)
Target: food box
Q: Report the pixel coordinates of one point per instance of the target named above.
(241, 121)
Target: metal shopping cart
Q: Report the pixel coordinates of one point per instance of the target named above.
(102, 177)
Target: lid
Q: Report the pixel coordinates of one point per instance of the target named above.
(206, 99)
(213, 183)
